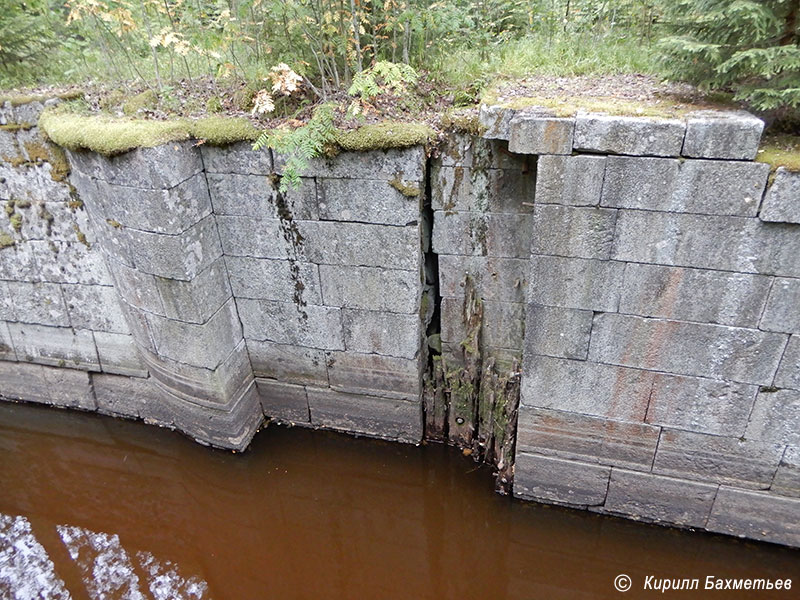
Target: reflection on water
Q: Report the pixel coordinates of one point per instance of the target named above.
(93, 507)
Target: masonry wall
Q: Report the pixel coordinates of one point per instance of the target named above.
(605, 308)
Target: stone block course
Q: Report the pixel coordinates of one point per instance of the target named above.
(501, 279)
(787, 478)
(531, 133)
(635, 182)
(55, 346)
(496, 121)
(124, 396)
(782, 312)
(139, 290)
(255, 196)
(628, 135)
(236, 158)
(369, 201)
(560, 481)
(252, 236)
(196, 300)
(41, 303)
(503, 323)
(659, 499)
(583, 232)
(6, 344)
(575, 282)
(283, 401)
(728, 135)
(375, 375)
(118, 355)
(308, 326)
(288, 363)
(775, 416)
(371, 288)
(589, 388)
(570, 180)
(407, 163)
(683, 294)
(57, 386)
(368, 415)
(388, 334)
(788, 374)
(782, 203)
(719, 187)
(482, 234)
(700, 405)
(94, 307)
(279, 280)
(716, 351)
(587, 439)
(712, 242)
(481, 190)
(756, 515)
(710, 458)
(66, 262)
(557, 332)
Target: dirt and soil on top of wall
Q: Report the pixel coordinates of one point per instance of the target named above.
(115, 119)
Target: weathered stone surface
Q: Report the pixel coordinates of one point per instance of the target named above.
(782, 202)
(139, 326)
(180, 256)
(54, 221)
(540, 134)
(482, 234)
(283, 401)
(585, 387)
(628, 135)
(255, 196)
(274, 279)
(575, 282)
(788, 374)
(156, 168)
(237, 158)
(69, 262)
(369, 201)
(782, 312)
(466, 150)
(503, 323)
(701, 405)
(388, 334)
(57, 386)
(715, 351)
(561, 481)
(719, 187)
(633, 182)
(559, 332)
(730, 135)
(375, 375)
(18, 262)
(659, 499)
(583, 232)
(288, 363)
(256, 237)
(407, 163)
(124, 396)
(728, 243)
(286, 323)
(371, 288)
(497, 121)
(117, 353)
(171, 211)
(373, 416)
(775, 417)
(728, 460)
(40, 303)
(787, 478)
(570, 180)
(6, 344)
(682, 294)
(205, 345)
(482, 190)
(57, 346)
(140, 290)
(756, 515)
(501, 279)
(358, 244)
(587, 439)
(196, 300)
(94, 307)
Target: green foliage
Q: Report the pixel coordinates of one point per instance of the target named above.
(751, 47)
(383, 76)
(300, 145)
(25, 37)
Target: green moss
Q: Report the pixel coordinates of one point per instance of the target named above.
(410, 190)
(81, 236)
(16, 126)
(16, 221)
(780, 151)
(23, 203)
(146, 100)
(75, 204)
(382, 136)
(214, 105)
(6, 240)
(10, 207)
(243, 98)
(219, 131)
(463, 120)
(20, 99)
(59, 165)
(115, 224)
(36, 151)
(109, 136)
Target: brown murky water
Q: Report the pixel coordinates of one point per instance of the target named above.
(93, 507)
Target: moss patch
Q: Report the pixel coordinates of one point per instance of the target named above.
(410, 190)
(146, 100)
(20, 99)
(16, 127)
(6, 240)
(463, 120)
(780, 151)
(16, 221)
(214, 105)
(382, 136)
(219, 131)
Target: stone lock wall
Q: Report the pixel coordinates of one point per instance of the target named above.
(606, 308)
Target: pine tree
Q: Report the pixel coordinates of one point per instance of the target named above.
(749, 47)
